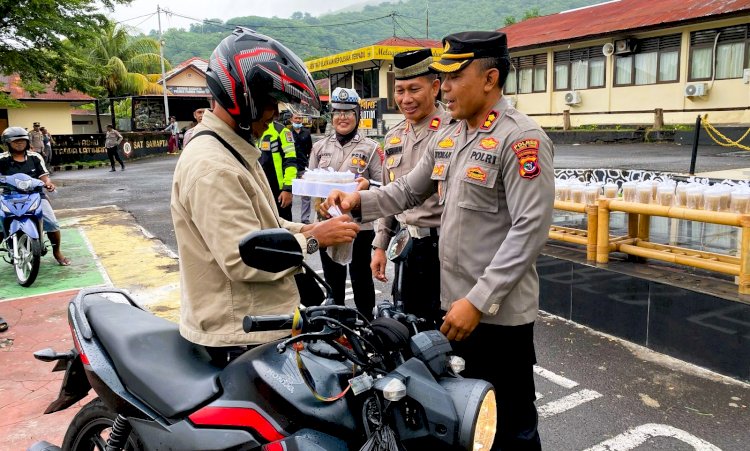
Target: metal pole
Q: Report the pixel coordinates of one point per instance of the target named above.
(163, 74)
(696, 136)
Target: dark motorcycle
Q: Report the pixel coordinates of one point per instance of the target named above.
(338, 382)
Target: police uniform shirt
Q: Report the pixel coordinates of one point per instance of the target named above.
(361, 156)
(404, 145)
(496, 185)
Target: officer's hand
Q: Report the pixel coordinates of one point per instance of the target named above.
(335, 231)
(285, 199)
(377, 265)
(50, 186)
(460, 320)
(345, 201)
(362, 184)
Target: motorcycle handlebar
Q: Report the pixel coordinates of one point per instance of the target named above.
(262, 323)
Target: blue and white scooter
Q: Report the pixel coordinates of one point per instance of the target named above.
(21, 216)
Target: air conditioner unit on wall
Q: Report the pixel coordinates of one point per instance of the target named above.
(626, 46)
(572, 98)
(695, 89)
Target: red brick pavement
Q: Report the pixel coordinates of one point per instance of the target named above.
(27, 385)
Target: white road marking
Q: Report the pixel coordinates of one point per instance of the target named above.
(639, 435)
(567, 402)
(555, 378)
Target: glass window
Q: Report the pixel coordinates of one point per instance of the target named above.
(668, 66)
(730, 60)
(510, 83)
(580, 69)
(366, 82)
(700, 66)
(645, 68)
(540, 79)
(561, 77)
(525, 80)
(732, 53)
(657, 61)
(596, 73)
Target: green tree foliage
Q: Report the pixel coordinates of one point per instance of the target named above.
(35, 39)
(124, 65)
(311, 37)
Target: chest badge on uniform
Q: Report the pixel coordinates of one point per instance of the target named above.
(395, 140)
(288, 136)
(391, 175)
(477, 173)
(446, 143)
(490, 119)
(265, 145)
(438, 170)
(434, 123)
(527, 153)
(488, 143)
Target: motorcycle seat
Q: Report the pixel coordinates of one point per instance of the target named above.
(158, 366)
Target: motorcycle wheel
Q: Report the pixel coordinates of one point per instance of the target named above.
(27, 265)
(91, 427)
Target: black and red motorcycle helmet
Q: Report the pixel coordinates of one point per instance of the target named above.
(247, 68)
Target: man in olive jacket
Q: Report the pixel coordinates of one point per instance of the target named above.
(220, 194)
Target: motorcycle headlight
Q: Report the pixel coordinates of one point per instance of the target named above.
(34, 206)
(24, 185)
(477, 411)
(4, 208)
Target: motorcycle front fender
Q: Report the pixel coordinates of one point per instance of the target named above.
(75, 386)
(26, 225)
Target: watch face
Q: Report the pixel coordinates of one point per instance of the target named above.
(312, 245)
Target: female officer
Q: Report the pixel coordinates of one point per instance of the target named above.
(348, 150)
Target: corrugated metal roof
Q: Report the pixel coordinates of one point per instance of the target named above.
(617, 16)
(11, 85)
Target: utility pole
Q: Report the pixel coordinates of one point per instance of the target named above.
(163, 74)
(427, 33)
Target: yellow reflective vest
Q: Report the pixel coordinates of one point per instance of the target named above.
(279, 140)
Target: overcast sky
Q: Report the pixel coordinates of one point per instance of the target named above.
(137, 13)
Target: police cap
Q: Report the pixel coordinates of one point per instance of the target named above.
(460, 49)
(412, 64)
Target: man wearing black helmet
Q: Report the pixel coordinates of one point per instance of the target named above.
(21, 160)
(220, 194)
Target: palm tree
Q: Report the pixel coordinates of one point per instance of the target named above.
(124, 63)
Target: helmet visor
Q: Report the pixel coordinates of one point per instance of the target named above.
(299, 108)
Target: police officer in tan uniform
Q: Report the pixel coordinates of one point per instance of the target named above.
(348, 150)
(415, 91)
(492, 169)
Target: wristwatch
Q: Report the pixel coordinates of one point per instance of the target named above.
(312, 245)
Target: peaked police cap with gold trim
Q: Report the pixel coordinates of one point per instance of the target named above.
(412, 64)
(459, 49)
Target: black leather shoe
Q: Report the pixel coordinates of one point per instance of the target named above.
(112, 170)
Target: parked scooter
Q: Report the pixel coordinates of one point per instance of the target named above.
(338, 382)
(21, 216)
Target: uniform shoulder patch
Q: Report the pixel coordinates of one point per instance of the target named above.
(434, 123)
(490, 119)
(527, 153)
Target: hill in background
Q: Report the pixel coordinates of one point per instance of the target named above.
(312, 37)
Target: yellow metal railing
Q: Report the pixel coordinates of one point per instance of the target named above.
(599, 244)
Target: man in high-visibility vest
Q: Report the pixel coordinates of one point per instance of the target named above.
(279, 162)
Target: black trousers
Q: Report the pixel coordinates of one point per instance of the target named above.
(420, 281)
(359, 271)
(113, 155)
(512, 349)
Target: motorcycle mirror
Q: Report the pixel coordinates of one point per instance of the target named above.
(399, 247)
(271, 250)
